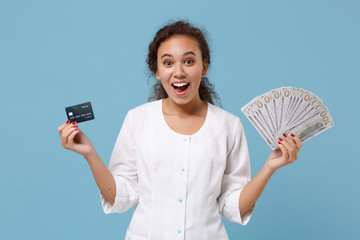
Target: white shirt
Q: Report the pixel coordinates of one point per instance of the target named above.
(179, 183)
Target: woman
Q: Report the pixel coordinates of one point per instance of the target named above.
(180, 159)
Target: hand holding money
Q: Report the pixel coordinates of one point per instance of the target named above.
(288, 110)
(289, 147)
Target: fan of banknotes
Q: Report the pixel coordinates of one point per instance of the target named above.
(288, 110)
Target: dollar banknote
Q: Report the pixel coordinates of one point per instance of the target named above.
(288, 110)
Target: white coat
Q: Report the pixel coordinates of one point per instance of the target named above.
(180, 184)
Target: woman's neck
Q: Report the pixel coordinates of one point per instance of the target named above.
(195, 107)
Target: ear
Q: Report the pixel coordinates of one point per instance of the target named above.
(157, 75)
(205, 68)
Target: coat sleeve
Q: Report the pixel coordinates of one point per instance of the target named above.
(236, 175)
(123, 167)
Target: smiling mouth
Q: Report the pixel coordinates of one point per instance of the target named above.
(180, 87)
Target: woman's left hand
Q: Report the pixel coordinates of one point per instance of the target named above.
(289, 147)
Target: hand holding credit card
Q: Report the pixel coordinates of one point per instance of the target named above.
(80, 113)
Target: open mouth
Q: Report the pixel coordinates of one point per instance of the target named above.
(180, 87)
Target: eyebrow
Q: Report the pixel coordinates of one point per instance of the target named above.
(187, 53)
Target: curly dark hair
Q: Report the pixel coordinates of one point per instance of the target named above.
(206, 89)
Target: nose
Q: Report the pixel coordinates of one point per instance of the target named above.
(179, 71)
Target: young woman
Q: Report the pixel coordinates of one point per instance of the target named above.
(183, 161)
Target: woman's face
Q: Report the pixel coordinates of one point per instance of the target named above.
(180, 68)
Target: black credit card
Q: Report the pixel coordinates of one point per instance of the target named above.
(80, 113)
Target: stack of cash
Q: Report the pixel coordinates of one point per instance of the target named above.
(288, 110)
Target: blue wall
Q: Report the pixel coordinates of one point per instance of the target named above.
(54, 54)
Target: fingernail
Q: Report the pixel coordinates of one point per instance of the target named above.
(284, 135)
(292, 135)
(77, 129)
(280, 139)
(76, 126)
(68, 121)
(279, 142)
(74, 122)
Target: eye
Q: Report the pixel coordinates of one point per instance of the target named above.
(167, 63)
(189, 61)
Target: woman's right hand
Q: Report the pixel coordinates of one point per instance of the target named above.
(72, 138)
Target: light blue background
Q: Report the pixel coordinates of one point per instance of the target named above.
(54, 54)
